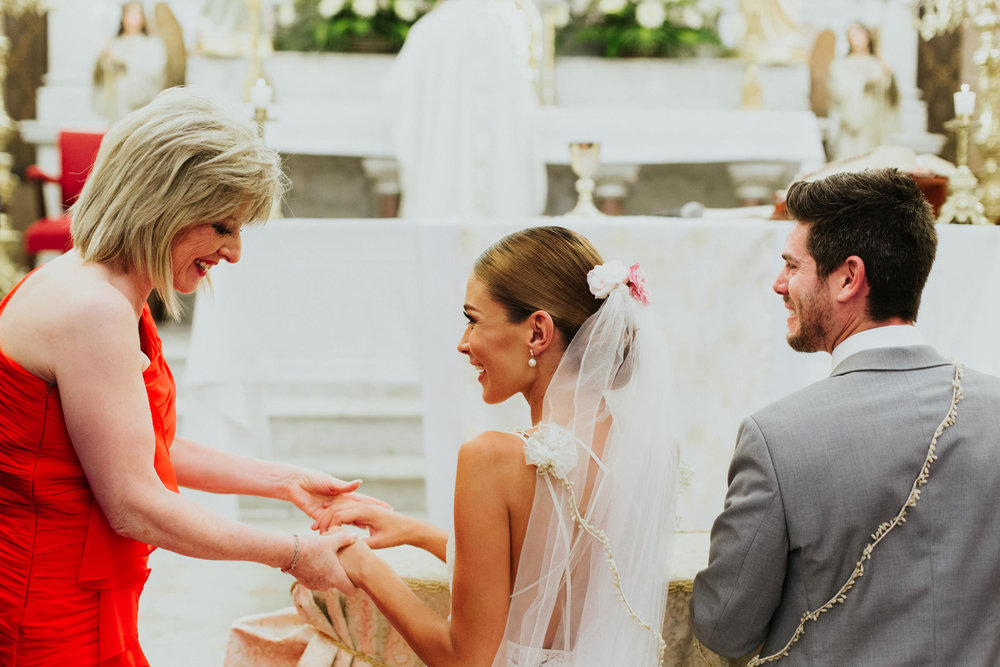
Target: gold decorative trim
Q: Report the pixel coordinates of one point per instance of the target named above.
(883, 530)
(601, 537)
(355, 653)
(681, 586)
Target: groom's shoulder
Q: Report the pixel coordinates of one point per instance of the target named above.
(812, 399)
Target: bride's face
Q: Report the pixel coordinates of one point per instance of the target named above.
(496, 347)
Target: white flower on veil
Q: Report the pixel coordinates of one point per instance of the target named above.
(604, 278)
(552, 449)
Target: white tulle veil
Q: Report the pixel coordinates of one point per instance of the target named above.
(605, 405)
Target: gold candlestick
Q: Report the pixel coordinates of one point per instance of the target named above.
(10, 238)
(962, 206)
(936, 17)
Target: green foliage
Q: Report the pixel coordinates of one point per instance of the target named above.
(345, 31)
(613, 34)
(619, 34)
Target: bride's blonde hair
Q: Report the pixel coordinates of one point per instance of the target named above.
(542, 268)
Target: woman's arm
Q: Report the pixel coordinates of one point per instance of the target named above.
(95, 360)
(481, 585)
(207, 469)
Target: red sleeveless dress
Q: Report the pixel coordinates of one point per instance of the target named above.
(69, 585)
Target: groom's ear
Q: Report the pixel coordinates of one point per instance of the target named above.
(542, 330)
(851, 281)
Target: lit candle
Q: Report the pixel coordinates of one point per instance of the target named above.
(965, 101)
(260, 94)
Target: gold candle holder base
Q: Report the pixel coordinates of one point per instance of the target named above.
(962, 206)
(10, 240)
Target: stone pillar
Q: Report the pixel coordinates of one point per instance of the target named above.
(612, 187)
(756, 182)
(385, 173)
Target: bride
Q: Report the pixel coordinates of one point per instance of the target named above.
(560, 548)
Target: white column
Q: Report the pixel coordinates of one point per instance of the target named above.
(78, 29)
(899, 40)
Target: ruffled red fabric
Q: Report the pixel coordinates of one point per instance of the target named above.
(69, 585)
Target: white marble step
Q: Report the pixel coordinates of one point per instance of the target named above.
(338, 426)
(398, 480)
(371, 431)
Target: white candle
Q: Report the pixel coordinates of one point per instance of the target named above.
(260, 94)
(965, 101)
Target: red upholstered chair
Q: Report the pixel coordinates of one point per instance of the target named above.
(77, 153)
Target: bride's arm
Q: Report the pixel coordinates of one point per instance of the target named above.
(481, 584)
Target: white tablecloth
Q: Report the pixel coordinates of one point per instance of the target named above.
(380, 300)
(627, 135)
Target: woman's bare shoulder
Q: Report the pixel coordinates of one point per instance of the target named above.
(495, 453)
(58, 307)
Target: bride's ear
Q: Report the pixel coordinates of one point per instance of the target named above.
(542, 330)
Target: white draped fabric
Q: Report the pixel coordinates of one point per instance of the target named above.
(343, 301)
(463, 108)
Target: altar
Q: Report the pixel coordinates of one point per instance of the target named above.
(647, 114)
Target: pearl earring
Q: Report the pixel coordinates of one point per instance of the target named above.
(531, 360)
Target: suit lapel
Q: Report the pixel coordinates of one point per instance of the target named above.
(891, 359)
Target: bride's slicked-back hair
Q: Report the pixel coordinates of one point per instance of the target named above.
(180, 161)
(542, 268)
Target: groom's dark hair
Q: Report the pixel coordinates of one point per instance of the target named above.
(879, 215)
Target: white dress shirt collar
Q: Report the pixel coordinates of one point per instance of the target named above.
(897, 335)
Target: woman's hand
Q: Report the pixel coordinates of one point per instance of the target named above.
(312, 492)
(319, 567)
(386, 528)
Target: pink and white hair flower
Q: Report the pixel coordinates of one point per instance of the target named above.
(605, 278)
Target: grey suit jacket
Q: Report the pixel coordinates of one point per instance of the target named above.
(815, 474)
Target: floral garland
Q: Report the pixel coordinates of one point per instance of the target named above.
(884, 529)
(552, 450)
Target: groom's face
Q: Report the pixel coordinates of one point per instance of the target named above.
(810, 307)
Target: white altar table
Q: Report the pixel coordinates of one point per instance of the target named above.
(380, 300)
(628, 135)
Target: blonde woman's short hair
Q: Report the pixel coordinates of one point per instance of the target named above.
(180, 161)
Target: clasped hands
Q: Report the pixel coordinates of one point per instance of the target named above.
(386, 528)
(324, 498)
(333, 559)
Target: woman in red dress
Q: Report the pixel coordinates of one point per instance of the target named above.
(89, 464)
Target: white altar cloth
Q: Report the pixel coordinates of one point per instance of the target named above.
(631, 135)
(380, 300)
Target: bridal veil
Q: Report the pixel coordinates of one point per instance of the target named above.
(591, 587)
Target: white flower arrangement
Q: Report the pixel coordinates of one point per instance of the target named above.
(406, 10)
(374, 26)
(650, 28)
(552, 449)
(328, 8)
(365, 8)
(650, 14)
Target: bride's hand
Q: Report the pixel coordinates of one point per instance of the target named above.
(352, 558)
(386, 528)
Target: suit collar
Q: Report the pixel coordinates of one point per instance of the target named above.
(891, 359)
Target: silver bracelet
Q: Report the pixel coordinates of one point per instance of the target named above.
(295, 557)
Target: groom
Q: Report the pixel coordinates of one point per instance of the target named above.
(822, 481)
